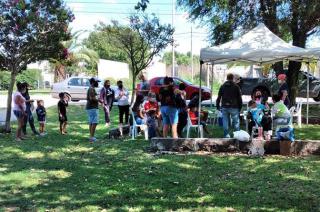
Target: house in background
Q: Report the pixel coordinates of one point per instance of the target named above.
(46, 74)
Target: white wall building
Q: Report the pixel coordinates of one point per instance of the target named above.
(112, 69)
(156, 69)
(44, 67)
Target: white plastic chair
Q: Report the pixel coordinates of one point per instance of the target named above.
(134, 127)
(296, 112)
(190, 125)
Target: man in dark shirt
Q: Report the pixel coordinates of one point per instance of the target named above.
(92, 108)
(169, 110)
(231, 103)
(283, 89)
(62, 110)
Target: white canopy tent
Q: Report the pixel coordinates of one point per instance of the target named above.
(258, 46)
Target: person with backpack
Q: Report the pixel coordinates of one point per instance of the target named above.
(231, 103)
(106, 99)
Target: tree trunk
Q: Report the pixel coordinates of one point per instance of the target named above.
(133, 96)
(59, 73)
(9, 100)
(298, 39)
(278, 68)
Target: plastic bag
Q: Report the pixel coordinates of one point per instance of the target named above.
(241, 135)
(257, 147)
(286, 133)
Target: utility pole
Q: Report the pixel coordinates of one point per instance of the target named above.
(173, 59)
(191, 54)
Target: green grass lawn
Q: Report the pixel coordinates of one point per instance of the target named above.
(36, 91)
(63, 173)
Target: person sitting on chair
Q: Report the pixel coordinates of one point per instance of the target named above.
(280, 111)
(151, 108)
(194, 116)
(138, 111)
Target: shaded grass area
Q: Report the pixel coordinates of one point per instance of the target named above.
(67, 173)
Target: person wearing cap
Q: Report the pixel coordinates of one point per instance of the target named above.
(283, 89)
(29, 117)
(92, 108)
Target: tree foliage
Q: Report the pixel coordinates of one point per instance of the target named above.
(293, 20)
(141, 41)
(181, 58)
(100, 42)
(30, 31)
(78, 59)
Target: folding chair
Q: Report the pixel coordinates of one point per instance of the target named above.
(296, 112)
(134, 127)
(190, 125)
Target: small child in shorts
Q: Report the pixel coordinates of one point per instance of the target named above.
(62, 111)
(41, 114)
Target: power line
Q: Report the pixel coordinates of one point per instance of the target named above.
(121, 13)
(114, 3)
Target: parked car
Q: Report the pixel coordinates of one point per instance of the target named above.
(76, 87)
(269, 85)
(191, 90)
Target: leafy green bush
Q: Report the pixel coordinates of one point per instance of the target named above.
(31, 76)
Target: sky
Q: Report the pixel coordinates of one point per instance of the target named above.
(90, 12)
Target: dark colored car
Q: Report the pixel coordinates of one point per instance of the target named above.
(270, 86)
(191, 90)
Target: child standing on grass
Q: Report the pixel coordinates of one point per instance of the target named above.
(62, 111)
(41, 114)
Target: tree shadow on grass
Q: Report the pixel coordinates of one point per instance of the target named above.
(68, 173)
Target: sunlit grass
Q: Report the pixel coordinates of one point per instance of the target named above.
(63, 173)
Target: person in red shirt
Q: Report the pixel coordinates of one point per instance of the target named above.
(151, 108)
(193, 114)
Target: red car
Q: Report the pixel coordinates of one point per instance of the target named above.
(191, 90)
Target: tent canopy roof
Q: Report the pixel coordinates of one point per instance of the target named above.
(259, 45)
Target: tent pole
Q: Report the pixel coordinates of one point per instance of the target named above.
(211, 101)
(200, 94)
(308, 89)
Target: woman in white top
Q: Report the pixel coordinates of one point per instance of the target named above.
(122, 95)
(19, 109)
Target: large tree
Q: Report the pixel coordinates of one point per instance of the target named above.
(77, 59)
(292, 20)
(142, 40)
(99, 41)
(30, 31)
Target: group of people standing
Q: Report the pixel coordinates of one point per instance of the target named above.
(171, 116)
(22, 109)
(106, 98)
(229, 102)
